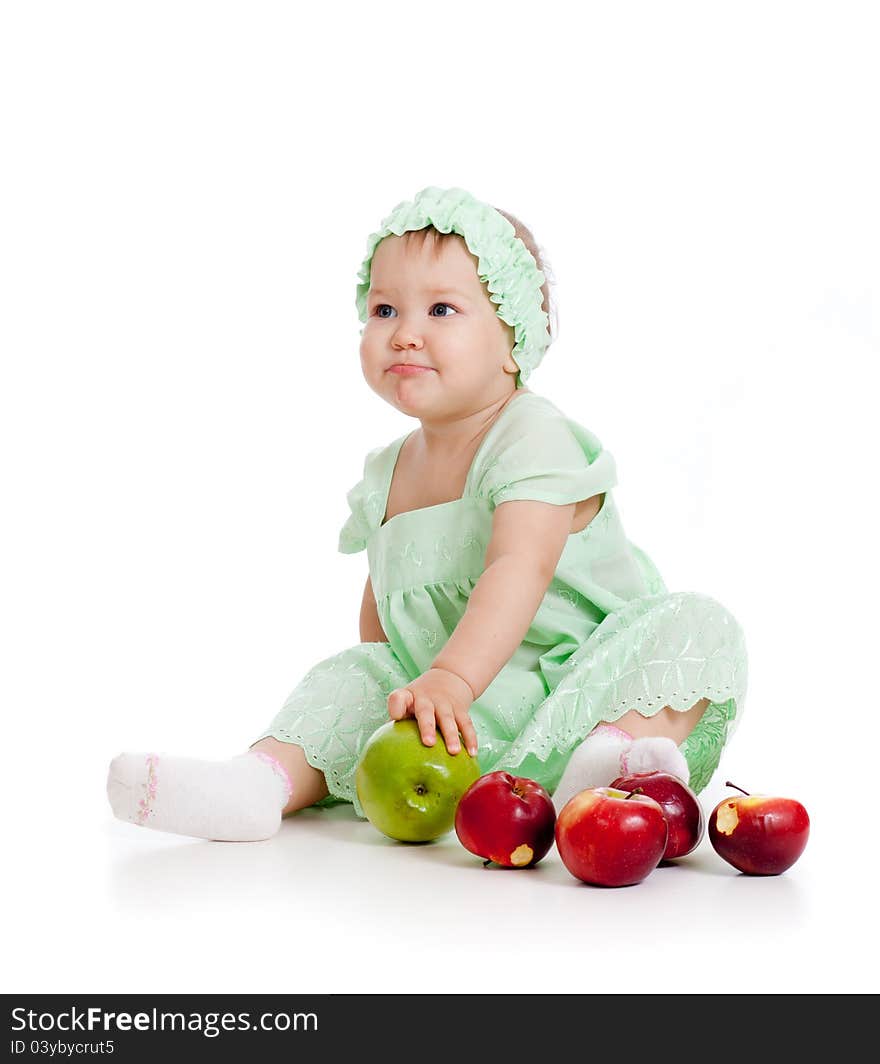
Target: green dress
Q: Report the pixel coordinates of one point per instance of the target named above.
(607, 637)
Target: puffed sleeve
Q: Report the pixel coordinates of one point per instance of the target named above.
(366, 503)
(539, 454)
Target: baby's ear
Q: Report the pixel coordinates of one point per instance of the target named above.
(510, 366)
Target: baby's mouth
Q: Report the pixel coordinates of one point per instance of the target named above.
(408, 369)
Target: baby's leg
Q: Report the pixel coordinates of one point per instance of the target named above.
(307, 784)
(669, 723)
(634, 743)
(239, 800)
(332, 712)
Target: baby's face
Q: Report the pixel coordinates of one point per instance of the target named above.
(433, 345)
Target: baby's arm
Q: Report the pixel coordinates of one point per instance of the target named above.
(527, 541)
(371, 629)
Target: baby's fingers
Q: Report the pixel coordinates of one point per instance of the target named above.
(468, 733)
(399, 703)
(448, 726)
(423, 711)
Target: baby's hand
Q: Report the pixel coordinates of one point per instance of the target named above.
(437, 697)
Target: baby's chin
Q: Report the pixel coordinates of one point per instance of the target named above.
(416, 396)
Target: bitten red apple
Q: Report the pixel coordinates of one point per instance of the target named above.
(759, 834)
(508, 820)
(681, 807)
(611, 838)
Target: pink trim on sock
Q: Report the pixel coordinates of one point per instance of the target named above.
(276, 766)
(145, 805)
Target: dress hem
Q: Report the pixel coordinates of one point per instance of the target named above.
(332, 797)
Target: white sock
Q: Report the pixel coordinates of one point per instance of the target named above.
(239, 800)
(609, 752)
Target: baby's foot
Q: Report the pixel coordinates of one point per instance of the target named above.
(239, 800)
(609, 752)
(595, 763)
(655, 754)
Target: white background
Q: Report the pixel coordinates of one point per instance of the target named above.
(187, 193)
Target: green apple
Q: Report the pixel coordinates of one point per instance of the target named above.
(410, 791)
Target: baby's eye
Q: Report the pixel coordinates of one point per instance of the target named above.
(381, 307)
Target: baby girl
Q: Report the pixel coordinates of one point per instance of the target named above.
(504, 605)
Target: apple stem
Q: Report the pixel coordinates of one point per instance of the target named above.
(729, 784)
(638, 790)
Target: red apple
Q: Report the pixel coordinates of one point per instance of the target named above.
(681, 807)
(506, 819)
(611, 838)
(759, 834)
